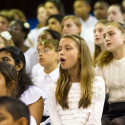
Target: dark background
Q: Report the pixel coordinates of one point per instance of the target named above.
(29, 7)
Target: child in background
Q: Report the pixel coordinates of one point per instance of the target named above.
(71, 25)
(98, 37)
(13, 112)
(78, 96)
(100, 10)
(47, 50)
(111, 65)
(115, 13)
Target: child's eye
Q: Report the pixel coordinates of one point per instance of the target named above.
(104, 36)
(110, 34)
(68, 48)
(59, 49)
(5, 59)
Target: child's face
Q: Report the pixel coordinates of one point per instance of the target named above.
(2, 42)
(114, 38)
(54, 24)
(114, 14)
(51, 8)
(42, 15)
(68, 54)
(44, 53)
(3, 87)
(98, 34)
(100, 10)
(69, 27)
(81, 9)
(6, 118)
(3, 24)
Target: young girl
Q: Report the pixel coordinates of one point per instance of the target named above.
(5, 39)
(71, 25)
(27, 92)
(78, 96)
(8, 80)
(98, 37)
(111, 65)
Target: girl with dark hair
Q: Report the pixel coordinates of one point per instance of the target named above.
(8, 80)
(27, 92)
(78, 96)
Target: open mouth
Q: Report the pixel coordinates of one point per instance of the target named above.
(62, 59)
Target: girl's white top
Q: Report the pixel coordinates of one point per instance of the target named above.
(114, 77)
(74, 115)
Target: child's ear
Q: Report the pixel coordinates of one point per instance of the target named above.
(10, 86)
(19, 66)
(22, 121)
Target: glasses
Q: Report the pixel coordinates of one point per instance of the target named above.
(45, 50)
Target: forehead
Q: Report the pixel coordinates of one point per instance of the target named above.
(48, 4)
(99, 25)
(5, 54)
(110, 28)
(53, 19)
(67, 41)
(114, 8)
(100, 5)
(69, 20)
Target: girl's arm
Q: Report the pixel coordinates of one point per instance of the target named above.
(97, 102)
(54, 114)
(36, 110)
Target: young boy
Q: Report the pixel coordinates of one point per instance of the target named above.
(13, 112)
(47, 50)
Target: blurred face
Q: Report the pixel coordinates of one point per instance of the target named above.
(54, 24)
(100, 10)
(6, 118)
(45, 35)
(68, 54)
(51, 8)
(3, 24)
(3, 87)
(98, 34)
(115, 15)
(44, 53)
(2, 42)
(81, 9)
(42, 15)
(114, 38)
(6, 57)
(16, 32)
(69, 27)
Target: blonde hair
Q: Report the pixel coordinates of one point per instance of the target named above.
(97, 49)
(86, 77)
(51, 43)
(106, 57)
(74, 18)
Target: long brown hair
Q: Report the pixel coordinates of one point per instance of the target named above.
(97, 50)
(86, 76)
(106, 57)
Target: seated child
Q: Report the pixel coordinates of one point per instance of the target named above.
(13, 112)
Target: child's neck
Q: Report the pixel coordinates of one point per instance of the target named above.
(74, 74)
(102, 47)
(50, 68)
(119, 54)
(84, 18)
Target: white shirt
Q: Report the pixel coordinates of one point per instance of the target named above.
(87, 31)
(74, 115)
(31, 59)
(43, 82)
(30, 96)
(37, 70)
(33, 36)
(114, 76)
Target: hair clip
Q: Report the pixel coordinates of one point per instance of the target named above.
(6, 35)
(27, 25)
